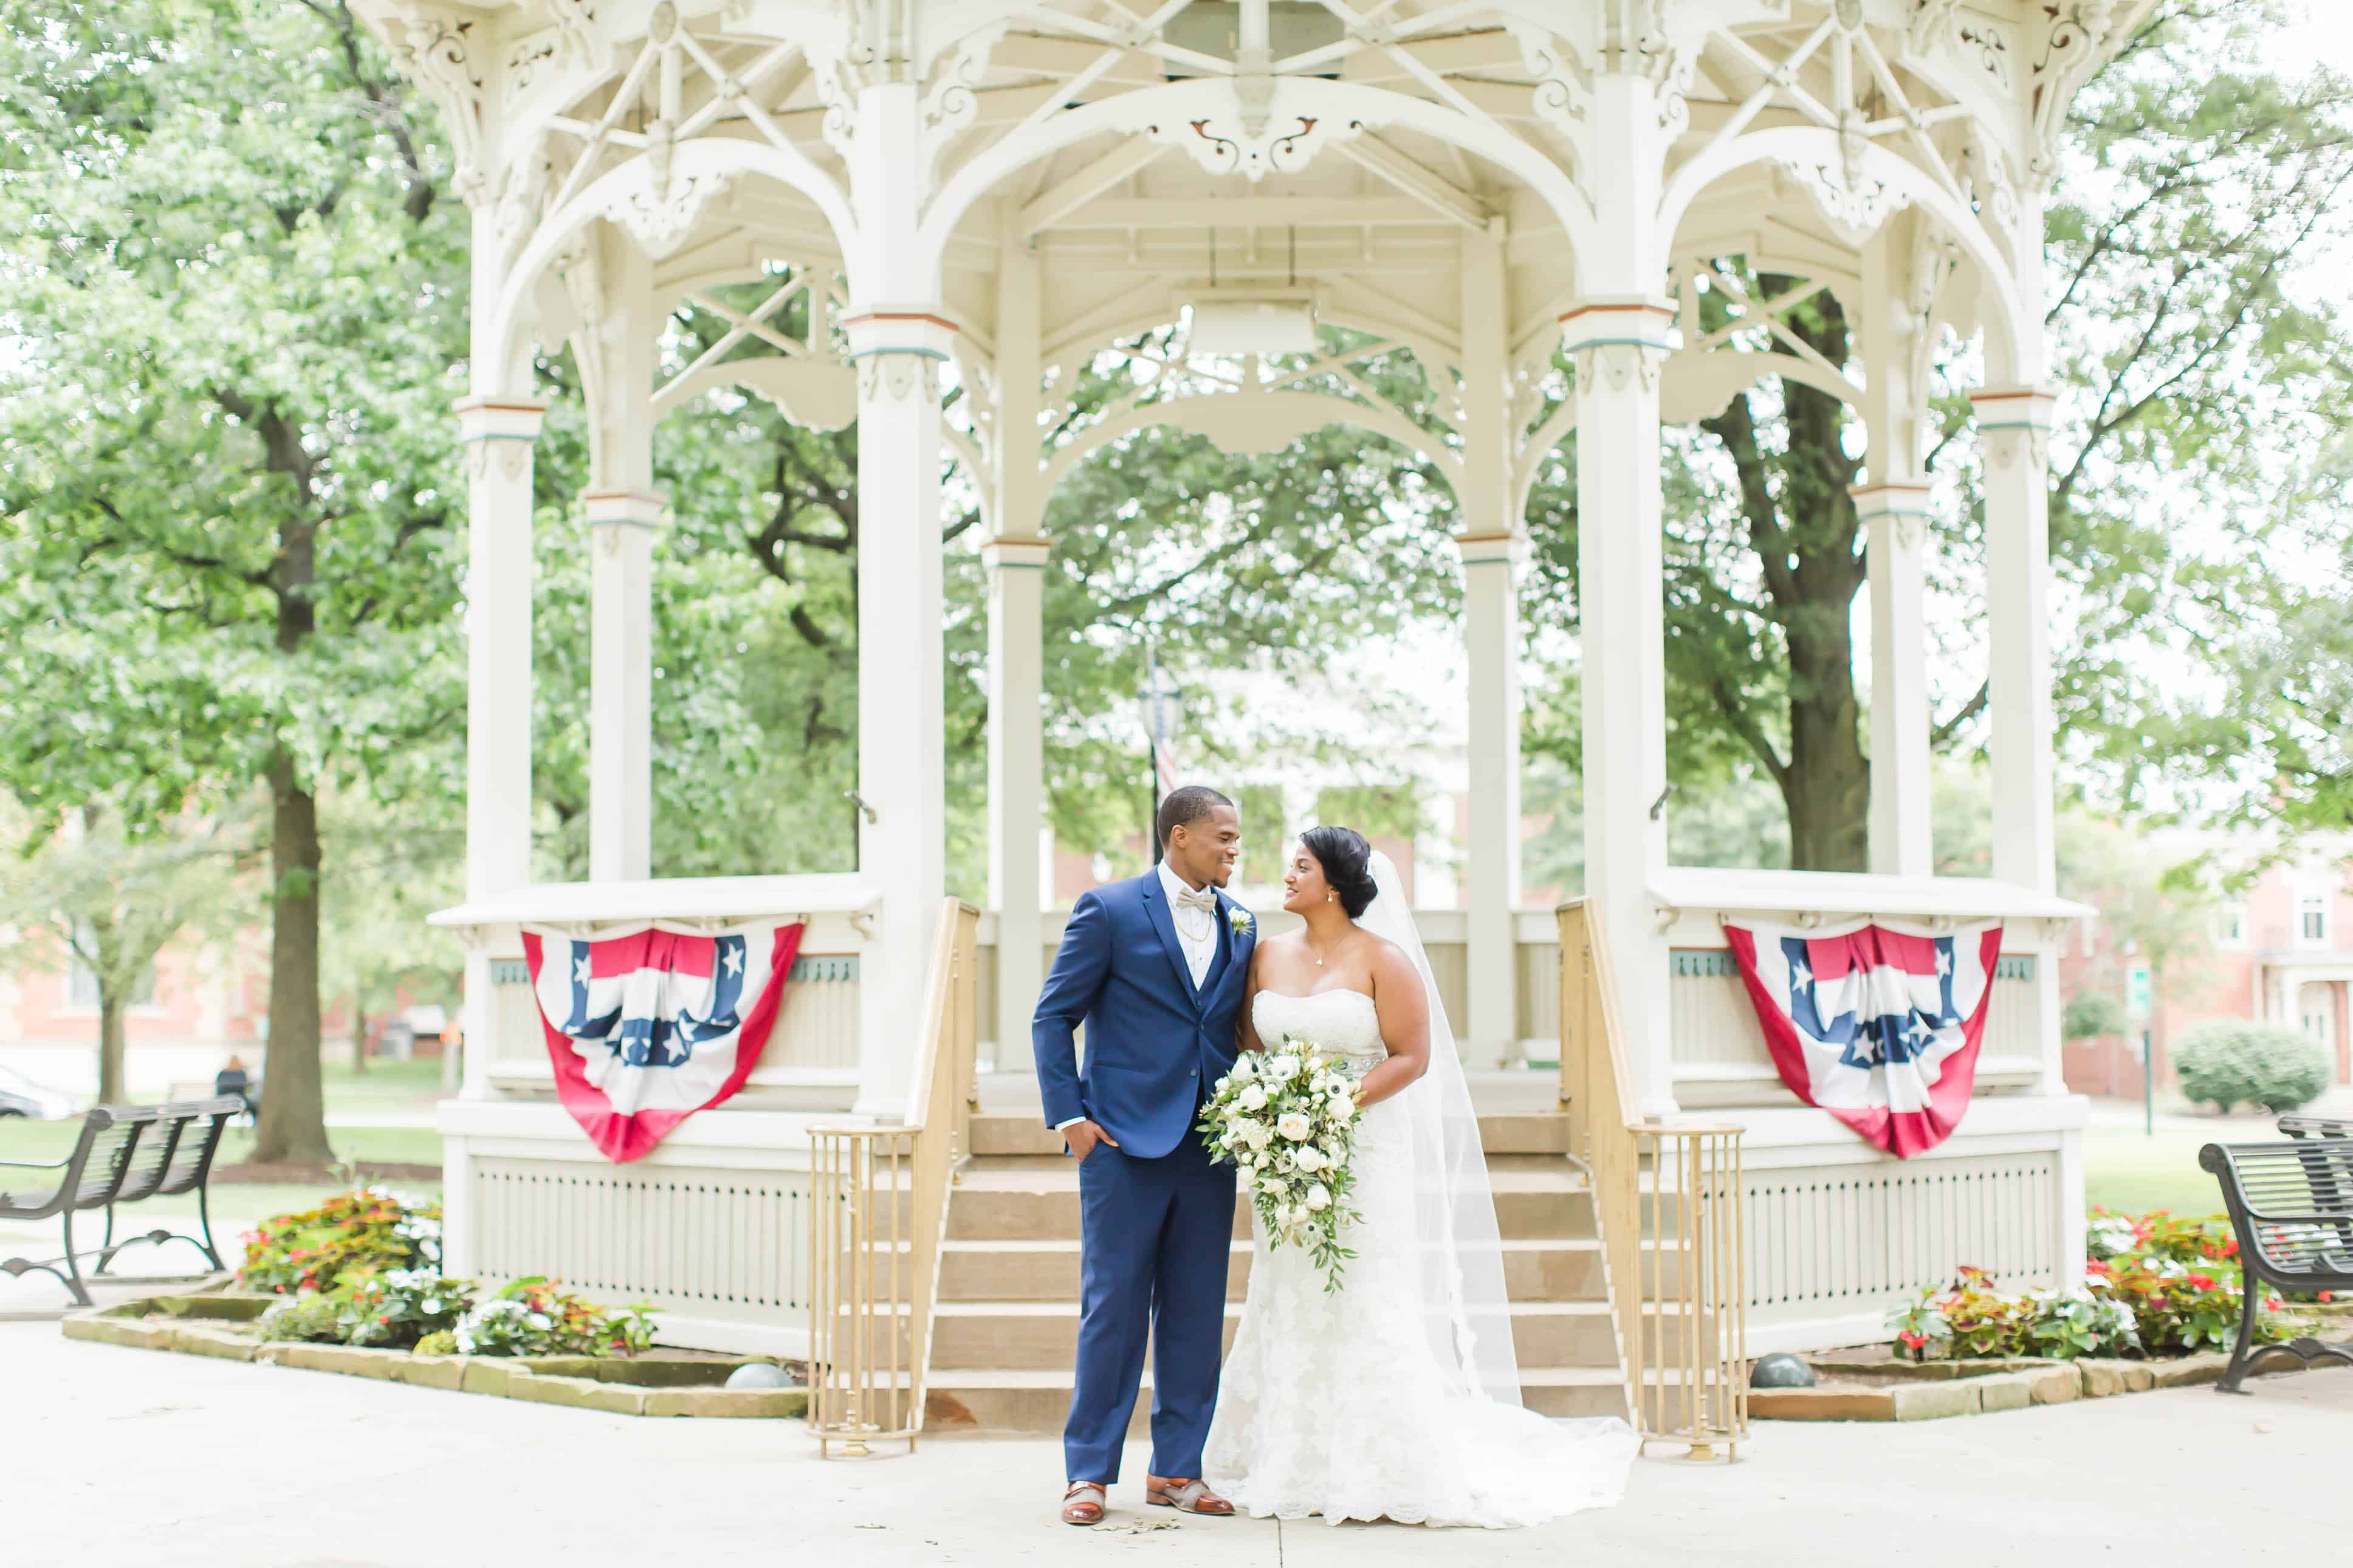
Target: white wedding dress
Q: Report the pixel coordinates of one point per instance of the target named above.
(1342, 1404)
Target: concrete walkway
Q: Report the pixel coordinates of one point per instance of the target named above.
(131, 1457)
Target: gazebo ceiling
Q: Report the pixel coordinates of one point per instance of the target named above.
(1151, 152)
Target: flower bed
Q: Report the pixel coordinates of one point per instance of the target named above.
(2157, 1307)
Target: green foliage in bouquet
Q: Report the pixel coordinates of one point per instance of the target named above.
(372, 1229)
(1287, 1124)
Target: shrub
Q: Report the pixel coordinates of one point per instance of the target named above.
(1970, 1320)
(444, 1342)
(310, 1316)
(2090, 1014)
(532, 1316)
(372, 1230)
(399, 1307)
(2225, 1062)
(2177, 1308)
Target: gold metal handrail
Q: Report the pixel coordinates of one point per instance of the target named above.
(882, 1201)
(1667, 1203)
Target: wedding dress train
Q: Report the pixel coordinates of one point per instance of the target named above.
(1342, 1403)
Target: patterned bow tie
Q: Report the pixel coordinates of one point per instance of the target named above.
(1199, 898)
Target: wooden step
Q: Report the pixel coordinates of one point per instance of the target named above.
(1038, 1336)
(1534, 1268)
(992, 1203)
(1501, 1133)
(975, 1402)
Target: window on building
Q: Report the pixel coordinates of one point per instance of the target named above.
(2311, 919)
(2231, 927)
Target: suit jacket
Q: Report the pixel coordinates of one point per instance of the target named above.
(1154, 1041)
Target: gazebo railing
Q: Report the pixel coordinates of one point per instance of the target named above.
(882, 1201)
(1667, 1202)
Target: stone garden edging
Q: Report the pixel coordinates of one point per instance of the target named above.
(1926, 1391)
(203, 1324)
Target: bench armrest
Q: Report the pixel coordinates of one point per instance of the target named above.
(2337, 1219)
(36, 1164)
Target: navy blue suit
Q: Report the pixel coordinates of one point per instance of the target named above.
(1156, 1218)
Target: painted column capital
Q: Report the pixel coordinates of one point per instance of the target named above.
(1018, 555)
(1507, 550)
(496, 418)
(2029, 407)
(1903, 502)
(1619, 339)
(625, 508)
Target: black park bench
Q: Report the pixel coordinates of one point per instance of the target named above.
(2291, 1205)
(124, 1154)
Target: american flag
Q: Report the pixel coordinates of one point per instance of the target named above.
(648, 1028)
(1878, 1026)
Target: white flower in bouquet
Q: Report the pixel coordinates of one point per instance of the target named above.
(1261, 1134)
(1222, 1086)
(1282, 1070)
(1309, 1159)
(1245, 1070)
(1319, 1197)
(1343, 1108)
(1294, 1125)
(1253, 1098)
(1271, 1185)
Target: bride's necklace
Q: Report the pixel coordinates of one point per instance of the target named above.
(1311, 948)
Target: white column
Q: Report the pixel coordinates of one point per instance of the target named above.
(499, 433)
(1492, 548)
(1620, 333)
(899, 339)
(1895, 517)
(2015, 422)
(1016, 562)
(624, 510)
(1017, 789)
(1893, 509)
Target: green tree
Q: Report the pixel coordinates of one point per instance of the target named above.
(226, 499)
(89, 893)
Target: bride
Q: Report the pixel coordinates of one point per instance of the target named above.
(1398, 1395)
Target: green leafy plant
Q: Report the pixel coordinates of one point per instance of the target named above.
(400, 1306)
(311, 1316)
(367, 1230)
(442, 1343)
(532, 1316)
(2226, 1061)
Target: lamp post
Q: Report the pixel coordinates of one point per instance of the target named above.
(1159, 698)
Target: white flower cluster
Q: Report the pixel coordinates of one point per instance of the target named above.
(1287, 1124)
(499, 1328)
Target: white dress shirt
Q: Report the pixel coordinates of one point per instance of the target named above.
(1195, 916)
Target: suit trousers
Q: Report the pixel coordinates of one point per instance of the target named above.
(1155, 1237)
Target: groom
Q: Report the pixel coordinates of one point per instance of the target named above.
(1154, 967)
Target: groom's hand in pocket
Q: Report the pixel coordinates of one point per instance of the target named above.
(1080, 1138)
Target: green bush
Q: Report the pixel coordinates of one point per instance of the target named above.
(2091, 1015)
(312, 1317)
(372, 1230)
(2226, 1062)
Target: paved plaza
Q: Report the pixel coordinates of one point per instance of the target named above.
(120, 1456)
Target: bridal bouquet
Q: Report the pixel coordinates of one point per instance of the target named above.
(1287, 1122)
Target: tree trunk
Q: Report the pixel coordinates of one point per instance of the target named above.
(292, 1124)
(1827, 787)
(111, 1090)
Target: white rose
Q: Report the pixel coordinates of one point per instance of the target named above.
(1294, 1125)
(1271, 1185)
(1344, 1108)
(1246, 1162)
(1260, 1134)
(1319, 1198)
(1223, 1083)
(1253, 1098)
(1310, 1159)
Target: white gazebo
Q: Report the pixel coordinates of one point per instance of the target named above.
(998, 191)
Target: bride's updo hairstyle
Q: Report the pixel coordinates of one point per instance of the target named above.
(1348, 862)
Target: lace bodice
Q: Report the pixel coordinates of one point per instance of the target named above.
(1343, 1023)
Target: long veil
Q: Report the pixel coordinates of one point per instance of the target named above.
(1464, 1309)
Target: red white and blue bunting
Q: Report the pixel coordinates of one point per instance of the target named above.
(1877, 1025)
(645, 1029)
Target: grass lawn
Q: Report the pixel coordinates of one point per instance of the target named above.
(2128, 1170)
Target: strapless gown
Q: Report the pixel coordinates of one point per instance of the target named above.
(1333, 1402)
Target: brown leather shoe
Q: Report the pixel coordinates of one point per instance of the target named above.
(1186, 1497)
(1080, 1508)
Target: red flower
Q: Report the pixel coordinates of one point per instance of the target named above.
(2272, 1303)
(2322, 1296)
(1912, 1340)
(2201, 1281)
(2157, 1301)
(2097, 1266)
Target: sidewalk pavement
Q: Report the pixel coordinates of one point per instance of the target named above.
(122, 1458)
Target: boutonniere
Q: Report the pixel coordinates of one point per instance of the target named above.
(1240, 919)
